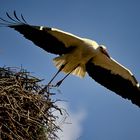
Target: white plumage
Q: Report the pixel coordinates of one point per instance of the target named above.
(80, 55)
(77, 58)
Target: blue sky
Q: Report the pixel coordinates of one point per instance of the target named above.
(114, 23)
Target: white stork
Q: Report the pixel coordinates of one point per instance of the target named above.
(78, 55)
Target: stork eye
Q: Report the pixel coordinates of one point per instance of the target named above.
(101, 48)
(104, 51)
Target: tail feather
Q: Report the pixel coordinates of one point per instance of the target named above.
(79, 71)
(59, 61)
(69, 66)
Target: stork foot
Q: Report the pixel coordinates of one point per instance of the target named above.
(58, 83)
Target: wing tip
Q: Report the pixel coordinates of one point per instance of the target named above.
(135, 80)
(13, 20)
(138, 85)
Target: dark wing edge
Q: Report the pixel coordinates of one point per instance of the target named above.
(39, 37)
(114, 82)
(14, 20)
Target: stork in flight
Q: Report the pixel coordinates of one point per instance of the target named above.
(78, 55)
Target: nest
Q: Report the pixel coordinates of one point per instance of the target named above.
(25, 107)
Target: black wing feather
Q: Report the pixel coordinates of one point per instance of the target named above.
(114, 82)
(41, 38)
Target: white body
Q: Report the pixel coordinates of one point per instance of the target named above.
(85, 50)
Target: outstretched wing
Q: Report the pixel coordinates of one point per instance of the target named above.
(50, 39)
(115, 77)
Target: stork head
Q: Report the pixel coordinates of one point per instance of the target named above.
(103, 50)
